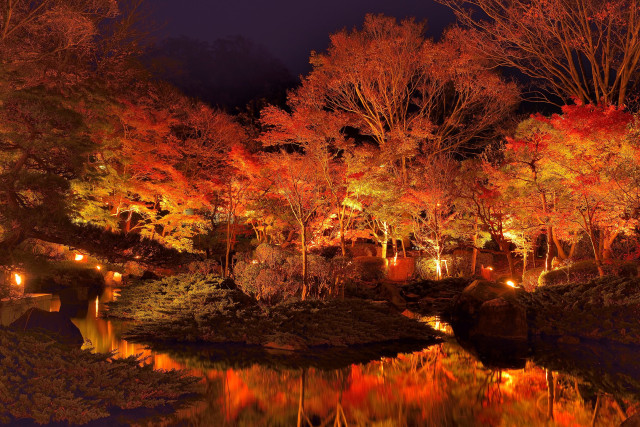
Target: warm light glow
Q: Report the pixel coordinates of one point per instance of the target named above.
(79, 257)
(510, 283)
(395, 258)
(18, 278)
(137, 257)
(97, 307)
(117, 276)
(255, 261)
(98, 267)
(490, 268)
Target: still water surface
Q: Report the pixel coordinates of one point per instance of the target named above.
(442, 385)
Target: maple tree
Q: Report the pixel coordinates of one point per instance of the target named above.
(588, 161)
(431, 198)
(486, 201)
(296, 183)
(54, 104)
(575, 48)
(407, 93)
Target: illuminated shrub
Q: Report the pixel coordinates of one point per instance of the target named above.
(583, 270)
(273, 274)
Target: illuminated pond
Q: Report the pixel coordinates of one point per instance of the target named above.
(445, 384)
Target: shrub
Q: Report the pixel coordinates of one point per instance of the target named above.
(371, 269)
(273, 274)
(531, 277)
(584, 270)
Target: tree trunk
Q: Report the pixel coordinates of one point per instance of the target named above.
(550, 249)
(303, 238)
(550, 394)
(608, 238)
(561, 254)
(127, 224)
(474, 255)
(596, 409)
(342, 241)
(404, 250)
(596, 252)
(228, 251)
(383, 244)
(504, 245)
(524, 263)
(301, 401)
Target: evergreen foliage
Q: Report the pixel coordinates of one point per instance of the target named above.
(203, 309)
(47, 382)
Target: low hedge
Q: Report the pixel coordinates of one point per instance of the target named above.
(584, 270)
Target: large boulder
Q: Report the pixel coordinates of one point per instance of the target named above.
(479, 292)
(490, 310)
(54, 324)
(499, 318)
(392, 294)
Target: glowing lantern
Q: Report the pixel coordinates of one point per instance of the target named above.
(18, 278)
(117, 276)
(98, 267)
(510, 283)
(255, 261)
(79, 257)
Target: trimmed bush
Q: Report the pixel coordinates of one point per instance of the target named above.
(584, 270)
(531, 277)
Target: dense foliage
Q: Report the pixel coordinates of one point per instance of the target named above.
(205, 309)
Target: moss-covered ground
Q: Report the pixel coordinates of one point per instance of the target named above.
(207, 309)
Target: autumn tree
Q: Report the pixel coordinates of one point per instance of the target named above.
(586, 157)
(54, 101)
(431, 198)
(407, 93)
(319, 134)
(489, 204)
(587, 49)
(295, 180)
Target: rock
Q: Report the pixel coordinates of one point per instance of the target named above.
(499, 318)
(56, 325)
(477, 293)
(410, 314)
(490, 310)
(133, 268)
(392, 294)
(149, 275)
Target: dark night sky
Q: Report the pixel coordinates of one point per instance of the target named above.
(289, 29)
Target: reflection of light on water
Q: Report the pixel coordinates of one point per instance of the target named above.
(97, 301)
(438, 325)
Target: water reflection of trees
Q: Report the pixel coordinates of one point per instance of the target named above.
(441, 385)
